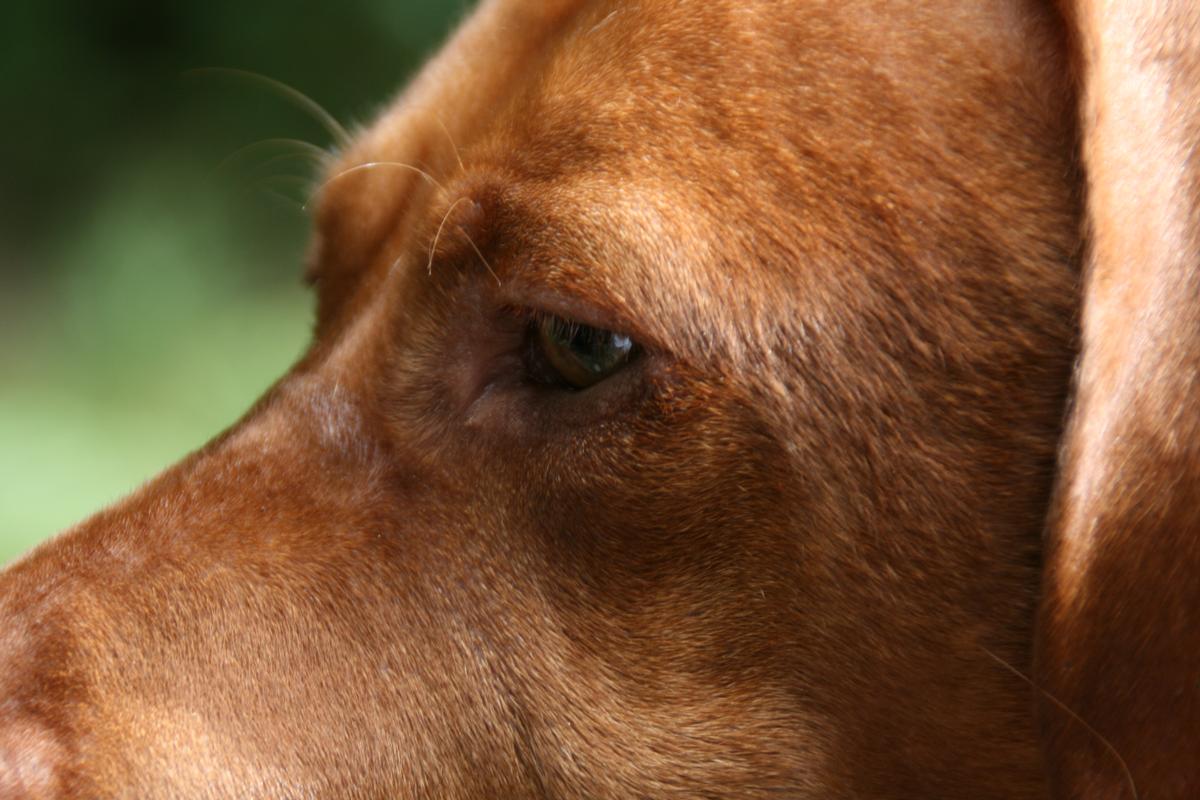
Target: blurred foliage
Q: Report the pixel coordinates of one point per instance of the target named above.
(150, 284)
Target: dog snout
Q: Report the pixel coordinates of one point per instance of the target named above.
(258, 579)
(32, 756)
(27, 761)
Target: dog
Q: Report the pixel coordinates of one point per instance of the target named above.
(708, 398)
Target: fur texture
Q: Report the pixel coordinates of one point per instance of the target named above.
(793, 550)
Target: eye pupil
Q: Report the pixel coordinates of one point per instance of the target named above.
(578, 355)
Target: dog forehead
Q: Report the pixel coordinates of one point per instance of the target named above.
(623, 91)
(766, 142)
(625, 68)
(687, 86)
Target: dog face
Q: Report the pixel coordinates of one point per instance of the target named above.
(680, 420)
(818, 482)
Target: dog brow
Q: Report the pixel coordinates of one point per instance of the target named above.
(534, 255)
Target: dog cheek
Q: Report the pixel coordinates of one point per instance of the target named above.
(658, 513)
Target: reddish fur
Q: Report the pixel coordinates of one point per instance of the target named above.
(781, 556)
(1118, 641)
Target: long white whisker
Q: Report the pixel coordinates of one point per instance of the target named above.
(274, 188)
(453, 146)
(1066, 709)
(437, 236)
(374, 165)
(295, 146)
(282, 158)
(475, 247)
(295, 96)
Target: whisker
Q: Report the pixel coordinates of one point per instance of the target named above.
(395, 263)
(1063, 706)
(437, 236)
(294, 181)
(453, 146)
(290, 187)
(475, 247)
(280, 159)
(279, 196)
(282, 199)
(297, 146)
(374, 165)
(603, 22)
(295, 96)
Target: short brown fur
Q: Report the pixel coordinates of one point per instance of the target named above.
(793, 550)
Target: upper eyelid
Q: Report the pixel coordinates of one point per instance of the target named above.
(531, 297)
(522, 277)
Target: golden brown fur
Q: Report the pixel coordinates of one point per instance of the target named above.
(794, 550)
(1118, 639)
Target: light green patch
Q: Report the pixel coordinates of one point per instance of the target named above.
(159, 337)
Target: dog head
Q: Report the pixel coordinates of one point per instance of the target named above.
(681, 419)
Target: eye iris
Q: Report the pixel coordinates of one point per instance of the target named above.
(582, 355)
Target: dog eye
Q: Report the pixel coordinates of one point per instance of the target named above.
(575, 355)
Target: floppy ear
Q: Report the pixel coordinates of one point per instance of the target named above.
(1118, 651)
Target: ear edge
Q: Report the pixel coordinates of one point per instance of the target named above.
(1123, 538)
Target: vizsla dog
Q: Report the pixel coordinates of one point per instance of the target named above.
(708, 398)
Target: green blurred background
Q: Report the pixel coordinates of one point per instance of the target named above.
(150, 283)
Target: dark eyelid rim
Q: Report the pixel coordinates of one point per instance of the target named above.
(525, 296)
